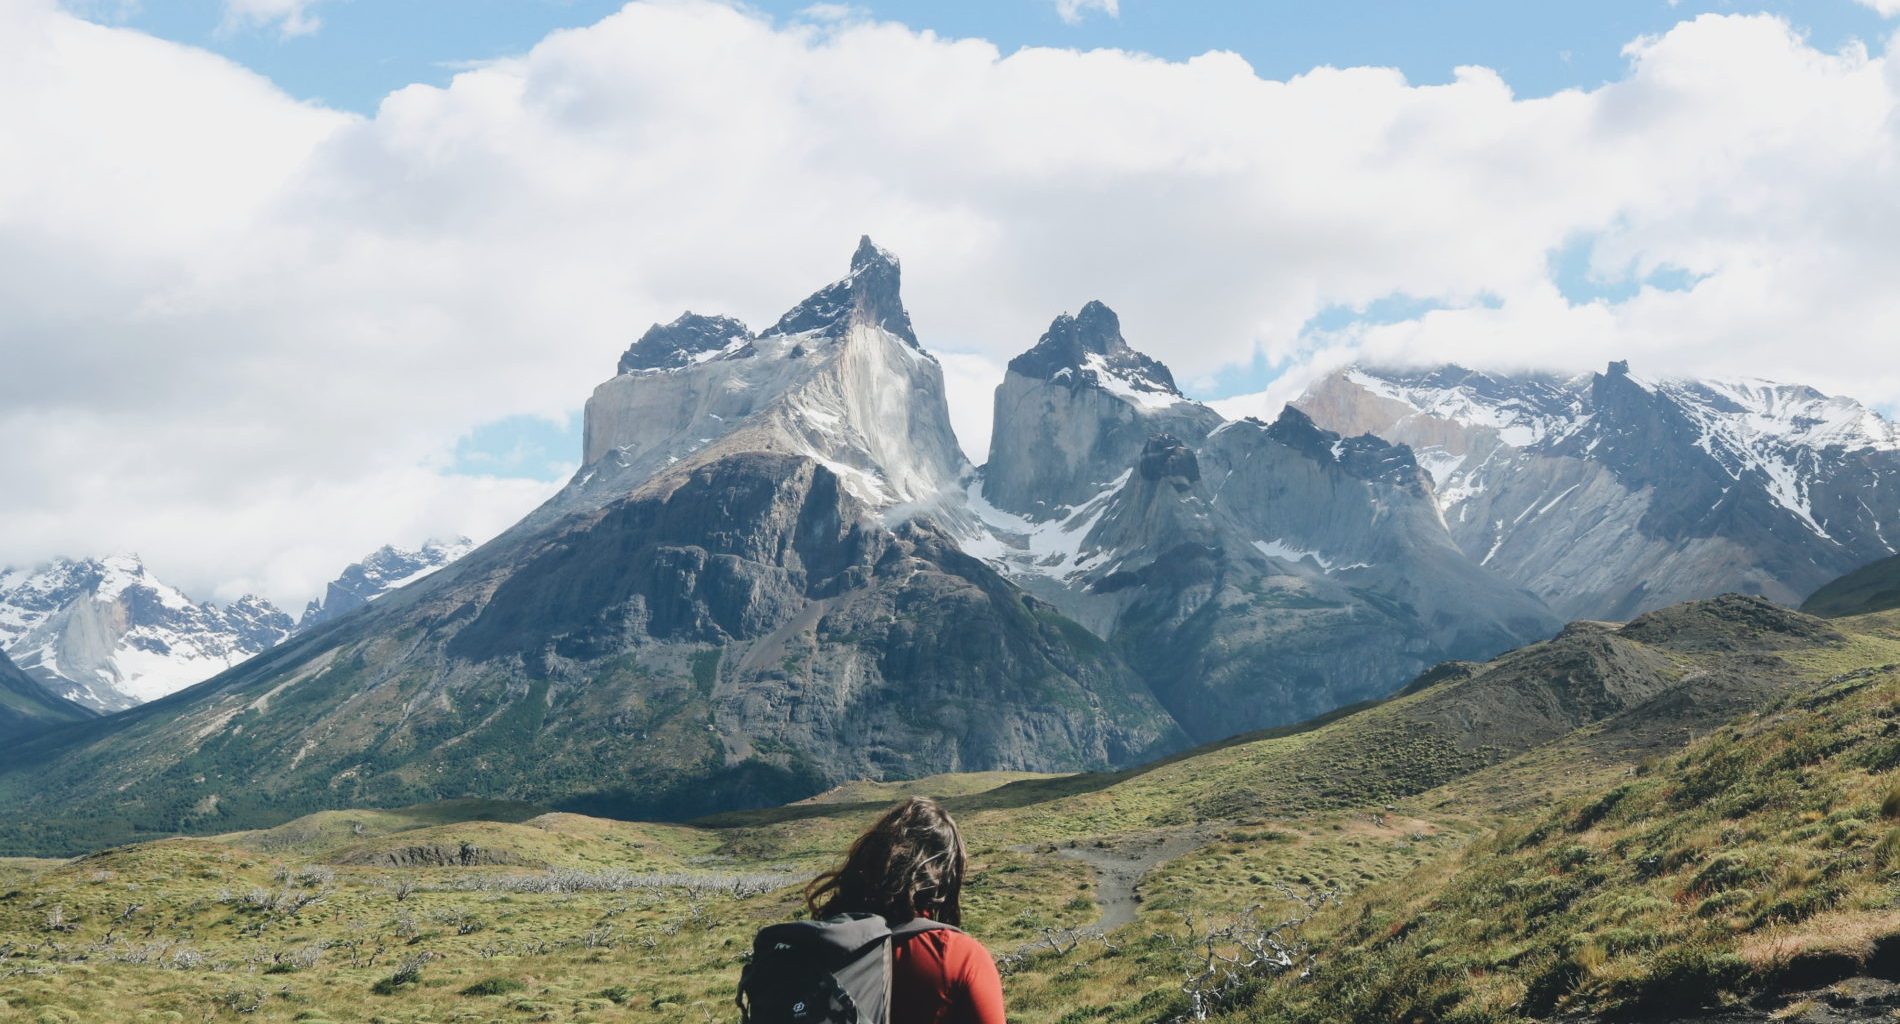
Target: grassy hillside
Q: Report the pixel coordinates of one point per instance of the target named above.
(1871, 588)
(1765, 856)
(1692, 805)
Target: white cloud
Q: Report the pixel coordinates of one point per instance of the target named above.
(291, 17)
(1885, 8)
(969, 386)
(1072, 11)
(833, 12)
(243, 333)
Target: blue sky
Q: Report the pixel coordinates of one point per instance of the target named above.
(363, 49)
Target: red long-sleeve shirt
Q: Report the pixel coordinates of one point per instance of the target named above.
(944, 977)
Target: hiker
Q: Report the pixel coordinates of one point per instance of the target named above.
(884, 944)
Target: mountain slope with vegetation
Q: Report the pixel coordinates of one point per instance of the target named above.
(1683, 811)
(27, 709)
(1871, 588)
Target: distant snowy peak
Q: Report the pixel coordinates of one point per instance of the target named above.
(1612, 493)
(1525, 410)
(1533, 410)
(1088, 350)
(1795, 414)
(690, 339)
(382, 571)
(108, 634)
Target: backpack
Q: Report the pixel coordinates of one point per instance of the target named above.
(834, 971)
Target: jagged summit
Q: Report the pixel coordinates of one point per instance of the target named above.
(1366, 457)
(1075, 411)
(1088, 348)
(841, 379)
(690, 338)
(870, 292)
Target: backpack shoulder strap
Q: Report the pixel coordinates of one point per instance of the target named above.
(919, 925)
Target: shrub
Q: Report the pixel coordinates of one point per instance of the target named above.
(1887, 852)
(1724, 871)
(409, 973)
(1681, 980)
(494, 987)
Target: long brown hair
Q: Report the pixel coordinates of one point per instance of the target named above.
(911, 862)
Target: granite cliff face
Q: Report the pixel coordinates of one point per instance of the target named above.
(1074, 411)
(1609, 495)
(840, 380)
(751, 591)
(1253, 573)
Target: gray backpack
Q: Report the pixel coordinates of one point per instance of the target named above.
(834, 971)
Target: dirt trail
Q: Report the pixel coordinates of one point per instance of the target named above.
(1121, 865)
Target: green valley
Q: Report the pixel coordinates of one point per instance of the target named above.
(1681, 813)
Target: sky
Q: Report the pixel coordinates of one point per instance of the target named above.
(286, 280)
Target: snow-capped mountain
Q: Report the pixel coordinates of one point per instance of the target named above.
(1254, 573)
(107, 634)
(1609, 494)
(749, 592)
(775, 570)
(380, 572)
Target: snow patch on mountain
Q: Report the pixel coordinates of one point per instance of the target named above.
(1610, 494)
(1055, 547)
(1131, 384)
(1523, 413)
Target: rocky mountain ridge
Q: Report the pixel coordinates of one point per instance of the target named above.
(1255, 573)
(775, 571)
(1609, 494)
(380, 572)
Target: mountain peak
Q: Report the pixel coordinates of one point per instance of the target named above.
(690, 338)
(1097, 328)
(870, 293)
(870, 253)
(1088, 348)
(109, 634)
